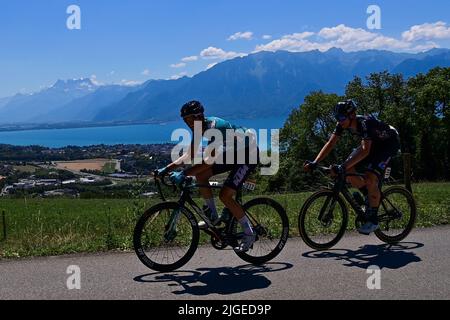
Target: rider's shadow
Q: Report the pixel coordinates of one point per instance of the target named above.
(384, 256)
(223, 281)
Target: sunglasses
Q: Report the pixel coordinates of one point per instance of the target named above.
(341, 118)
(193, 116)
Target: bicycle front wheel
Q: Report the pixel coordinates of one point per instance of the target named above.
(397, 215)
(271, 225)
(323, 220)
(166, 237)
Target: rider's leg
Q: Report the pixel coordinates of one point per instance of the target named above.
(356, 181)
(203, 179)
(202, 175)
(373, 187)
(227, 195)
(234, 181)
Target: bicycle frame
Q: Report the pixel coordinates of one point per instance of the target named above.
(185, 198)
(340, 187)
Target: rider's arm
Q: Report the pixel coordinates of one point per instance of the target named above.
(195, 170)
(181, 160)
(327, 148)
(360, 153)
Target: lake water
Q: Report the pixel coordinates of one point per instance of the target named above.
(135, 134)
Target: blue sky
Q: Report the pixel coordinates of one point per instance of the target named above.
(133, 41)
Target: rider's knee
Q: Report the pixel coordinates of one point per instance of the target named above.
(203, 176)
(225, 195)
(371, 180)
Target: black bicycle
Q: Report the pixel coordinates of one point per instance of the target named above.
(167, 235)
(323, 218)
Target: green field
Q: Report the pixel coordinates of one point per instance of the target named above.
(26, 168)
(37, 227)
(109, 167)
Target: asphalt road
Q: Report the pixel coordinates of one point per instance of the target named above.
(418, 268)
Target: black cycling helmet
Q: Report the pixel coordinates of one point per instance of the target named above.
(344, 108)
(192, 108)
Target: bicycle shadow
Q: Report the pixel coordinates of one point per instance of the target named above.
(223, 280)
(384, 256)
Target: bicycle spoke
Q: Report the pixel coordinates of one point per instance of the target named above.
(323, 230)
(270, 224)
(394, 214)
(322, 220)
(165, 238)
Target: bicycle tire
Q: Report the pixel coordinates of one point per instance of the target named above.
(413, 215)
(303, 213)
(141, 223)
(282, 239)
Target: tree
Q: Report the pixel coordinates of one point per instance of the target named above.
(417, 108)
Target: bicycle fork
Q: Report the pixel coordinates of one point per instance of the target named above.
(326, 212)
(171, 227)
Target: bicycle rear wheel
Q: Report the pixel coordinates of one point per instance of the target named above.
(397, 215)
(323, 220)
(271, 224)
(166, 237)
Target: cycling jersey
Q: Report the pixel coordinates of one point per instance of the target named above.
(239, 171)
(240, 142)
(370, 128)
(385, 142)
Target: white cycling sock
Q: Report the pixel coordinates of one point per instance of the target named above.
(245, 223)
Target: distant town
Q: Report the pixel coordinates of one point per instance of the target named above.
(118, 171)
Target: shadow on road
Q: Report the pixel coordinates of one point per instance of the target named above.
(384, 256)
(224, 280)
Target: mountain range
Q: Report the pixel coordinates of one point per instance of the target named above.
(258, 85)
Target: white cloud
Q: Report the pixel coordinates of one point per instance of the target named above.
(427, 31)
(211, 65)
(94, 80)
(178, 65)
(351, 39)
(112, 73)
(292, 42)
(299, 36)
(267, 37)
(346, 38)
(248, 35)
(129, 83)
(217, 53)
(295, 42)
(146, 72)
(344, 33)
(190, 59)
(178, 76)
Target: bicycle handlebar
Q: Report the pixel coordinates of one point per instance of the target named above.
(162, 180)
(324, 169)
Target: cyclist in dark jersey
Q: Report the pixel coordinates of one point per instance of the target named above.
(379, 143)
(229, 159)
